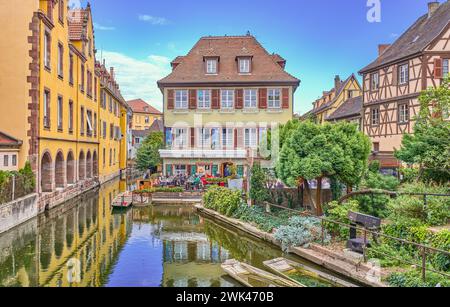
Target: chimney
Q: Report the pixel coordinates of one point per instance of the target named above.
(432, 7)
(111, 72)
(337, 82)
(382, 48)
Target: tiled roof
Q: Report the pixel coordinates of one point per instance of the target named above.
(8, 141)
(140, 133)
(191, 67)
(350, 108)
(140, 106)
(157, 126)
(78, 19)
(416, 38)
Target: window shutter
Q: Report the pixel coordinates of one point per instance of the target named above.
(192, 137)
(285, 94)
(189, 169)
(239, 99)
(263, 98)
(215, 99)
(170, 99)
(438, 69)
(240, 138)
(395, 75)
(192, 99)
(235, 138)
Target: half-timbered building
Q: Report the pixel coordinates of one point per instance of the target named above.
(393, 82)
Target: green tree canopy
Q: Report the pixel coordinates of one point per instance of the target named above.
(429, 146)
(148, 154)
(258, 188)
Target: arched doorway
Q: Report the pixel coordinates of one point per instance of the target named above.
(81, 166)
(59, 170)
(95, 164)
(70, 169)
(88, 165)
(46, 173)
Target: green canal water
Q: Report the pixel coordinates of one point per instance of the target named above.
(85, 244)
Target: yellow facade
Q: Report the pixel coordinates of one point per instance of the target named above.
(143, 121)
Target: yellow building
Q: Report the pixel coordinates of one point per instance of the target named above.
(144, 115)
(333, 99)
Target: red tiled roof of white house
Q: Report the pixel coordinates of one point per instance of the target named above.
(140, 106)
(265, 67)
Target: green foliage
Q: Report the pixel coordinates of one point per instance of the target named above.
(148, 154)
(262, 220)
(413, 279)
(222, 200)
(300, 231)
(339, 213)
(389, 256)
(410, 175)
(25, 183)
(336, 188)
(160, 190)
(314, 151)
(258, 188)
(441, 240)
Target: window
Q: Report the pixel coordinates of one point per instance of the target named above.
(82, 121)
(104, 157)
(403, 113)
(227, 138)
(110, 157)
(71, 69)
(274, 98)
(82, 78)
(204, 137)
(104, 130)
(180, 137)
(110, 105)
(250, 137)
(211, 66)
(181, 99)
(47, 109)
(5, 160)
(61, 11)
(47, 49)
(404, 73)
(215, 138)
(60, 60)
(70, 116)
(445, 67)
(350, 94)
(89, 83)
(147, 120)
(250, 98)
(227, 101)
(89, 125)
(95, 88)
(103, 99)
(111, 131)
(204, 99)
(60, 113)
(376, 147)
(244, 66)
(95, 124)
(375, 117)
(180, 170)
(137, 140)
(14, 160)
(374, 81)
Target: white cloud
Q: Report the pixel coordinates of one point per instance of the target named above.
(137, 78)
(103, 28)
(158, 21)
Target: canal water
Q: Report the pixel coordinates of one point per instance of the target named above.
(84, 243)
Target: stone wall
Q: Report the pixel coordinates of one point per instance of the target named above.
(17, 212)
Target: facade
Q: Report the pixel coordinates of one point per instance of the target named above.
(55, 91)
(419, 59)
(218, 101)
(9, 152)
(143, 114)
(331, 100)
(350, 111)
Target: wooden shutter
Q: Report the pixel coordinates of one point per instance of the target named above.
(189, 169)
(263, 98)
(170, 99)
(239, 99)
(438, 69)
(235, 138)
(240, 138)
(285, 98)
(192, 99)
(395, 75)
(192, 137)
(215, 100)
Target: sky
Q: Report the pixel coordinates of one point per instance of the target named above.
(319, 39)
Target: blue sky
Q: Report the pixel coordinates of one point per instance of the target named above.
(319, 39)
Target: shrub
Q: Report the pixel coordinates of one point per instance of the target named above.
(339, 213)
(264, 221)
(160, 190)
(441, 240)
(388, 255)
(222, 200)
(414, 279)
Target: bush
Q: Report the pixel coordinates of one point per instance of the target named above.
(222, 200)
(300, 231)
(388, 255)
(413, 279)
(441, 240)
(262, 220)
(339, 213)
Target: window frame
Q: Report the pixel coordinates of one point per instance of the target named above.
(47, 50)
(204, 99)
(60, 114)
(60, 60)
(180, 134)
(403, 74)
(46, 104)
(269, 101)
(247, 68)
(250, 96)
(445, 65)
(227, 138)
(70, 116)
(372, 118)
(213, 69)
(251, 140)
(373, 86)
(183, 103)
(225, 103)
(403, 113)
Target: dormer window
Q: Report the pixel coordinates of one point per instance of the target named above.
(244, 65)
(211, 66)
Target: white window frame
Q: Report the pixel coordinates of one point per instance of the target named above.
(403, 72)
(211, 66)
(272, 102)
(204, 99)
(47, 41)
(250, 138)
(46, 108)
(204, 137)
(445, 67)
(244, 66)
(181, 99)
(403, 116)
(374, 85)
(60, 102)
(375, 120)
(227, 99)
(250, 99)
(60, 60)
(180, 137)
(215, 138)
(227, 138)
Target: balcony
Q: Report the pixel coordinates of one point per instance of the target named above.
(203, 154)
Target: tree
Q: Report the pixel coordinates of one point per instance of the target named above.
(148, 154)
(429, 145)
(318, 151)
(258, 188)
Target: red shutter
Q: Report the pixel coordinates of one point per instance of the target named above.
(235, 138)
(192, 137)
(215, 100)
(239, 99)
(189, 170)
(192, 99)
(263, 98)
(170, 99)
(438, 71)
(285, 98)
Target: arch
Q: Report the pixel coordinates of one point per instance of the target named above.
(95, 164)
(70, 168)
(88, 165)
(46, 173)
(60, 170)
(81, 166)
